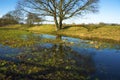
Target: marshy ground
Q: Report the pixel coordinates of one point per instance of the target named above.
(28, 53)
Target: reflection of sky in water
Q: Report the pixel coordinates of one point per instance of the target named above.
(88, 44)
(106, 62)
(48, 36)
(83, 43)
(8, 53)
(8, 50)
(47, 45)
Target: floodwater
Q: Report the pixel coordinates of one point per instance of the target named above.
(92, 59)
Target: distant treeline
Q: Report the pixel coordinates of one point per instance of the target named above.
(4, 22)
(92, 24)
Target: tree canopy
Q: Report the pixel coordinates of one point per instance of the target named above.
(59, 9)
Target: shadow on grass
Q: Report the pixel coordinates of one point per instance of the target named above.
(89, 27)
(9, 28)
(66, 27)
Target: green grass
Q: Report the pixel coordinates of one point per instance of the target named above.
(15, 38)
(104, 33)
(49, 29)
(19, 36)
(46, 64)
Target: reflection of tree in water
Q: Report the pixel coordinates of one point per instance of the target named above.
(70, 63)
(58, 62)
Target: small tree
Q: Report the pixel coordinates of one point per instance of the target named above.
(8, 18)
(16, 15)
(32, 19)
(38, 19)
(29, 19)
(59, 9)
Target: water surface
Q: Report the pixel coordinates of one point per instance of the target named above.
(72, 58)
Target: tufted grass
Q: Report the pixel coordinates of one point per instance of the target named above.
(105, 33)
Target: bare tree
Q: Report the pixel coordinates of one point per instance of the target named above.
(37, 19)
(13, 15)
(59, 9)
(33, 19)
(9, 18)
(29, 19)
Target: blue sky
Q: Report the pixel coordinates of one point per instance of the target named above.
(7, 5)
(109, 12)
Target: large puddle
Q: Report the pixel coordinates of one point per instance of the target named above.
(73, 58)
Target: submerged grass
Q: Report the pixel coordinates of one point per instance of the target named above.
(15, 38)
(45, 64)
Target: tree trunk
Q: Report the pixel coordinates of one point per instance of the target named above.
(58, 37)
(60, 23)
(60, 14)
(56, 23)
